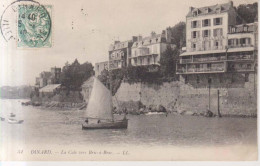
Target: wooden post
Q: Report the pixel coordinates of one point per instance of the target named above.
(209, 82)
(209, 96)
(219, 115)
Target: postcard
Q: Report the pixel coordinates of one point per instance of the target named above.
(132, 80)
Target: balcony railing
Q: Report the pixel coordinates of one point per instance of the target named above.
(217, 48)
(208, 59)
(185, 61)
(241, 57)
(240, 45)
(201, 70)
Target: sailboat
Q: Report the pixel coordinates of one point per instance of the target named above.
(99, 112)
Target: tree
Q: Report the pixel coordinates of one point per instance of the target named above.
(168, 61)
(73, 76)
(247, 13)
(179, 34)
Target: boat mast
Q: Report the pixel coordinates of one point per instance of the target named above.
(110, 88)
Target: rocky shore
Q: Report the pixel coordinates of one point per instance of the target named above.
(56, 105)
(152, 109)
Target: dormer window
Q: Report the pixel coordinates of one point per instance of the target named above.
(207, 10)
(195, 13)
(245, 28)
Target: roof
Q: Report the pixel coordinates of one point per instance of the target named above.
(119, 45)
(211, 9)
(158, 38)
(50, 88)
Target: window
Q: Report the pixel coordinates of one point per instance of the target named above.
(148, 60)
(206, 33)
(194, 24)
(220, 79)
(248, 66)
(186, 79)
(218, 32)
(230, 42)
(209, 65)
(195, 13)
(206, 22)
(216, 43)
(245, 28)
(193, 45)
(198, 79)
(195, 34)
(246, 77)
(218, 21)
(243, 41)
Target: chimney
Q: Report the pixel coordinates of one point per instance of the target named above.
(191, 8)
(116, 41)
(153, 34)
(231, 3)
(139, 38)
(168, 35)
(134, 38)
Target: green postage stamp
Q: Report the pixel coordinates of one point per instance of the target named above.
(34, 26)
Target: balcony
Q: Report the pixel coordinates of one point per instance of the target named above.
(200, 70)
(240, 57)
(241, 67)
(240, 45)
(183, 61)
(209, 59)
(192, 69)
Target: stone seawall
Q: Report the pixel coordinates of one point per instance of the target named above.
(237, 94)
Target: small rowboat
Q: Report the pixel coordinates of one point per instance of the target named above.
(12, 115)
(14, 121)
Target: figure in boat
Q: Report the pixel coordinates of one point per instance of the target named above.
(99, 112)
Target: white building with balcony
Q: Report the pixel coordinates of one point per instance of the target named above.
(215, 44)
(148, 50)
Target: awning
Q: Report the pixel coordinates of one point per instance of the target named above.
(50, 88)
(238, 49)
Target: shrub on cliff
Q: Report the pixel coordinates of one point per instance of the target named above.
(247, 13)
(113, 78)
(168, 62)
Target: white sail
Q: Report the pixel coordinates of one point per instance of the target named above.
(100, 102)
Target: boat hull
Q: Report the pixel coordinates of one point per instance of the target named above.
(14, 121)
(106, 125)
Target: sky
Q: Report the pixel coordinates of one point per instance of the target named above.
(84, 29)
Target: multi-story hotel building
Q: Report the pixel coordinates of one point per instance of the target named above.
(118, 53)
(215, 44)
(148, 50)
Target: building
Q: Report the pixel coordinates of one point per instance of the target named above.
(148, 50)
(47, 78)
(42, 80)
(99, 67)
(119, 52)
(215, 44)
